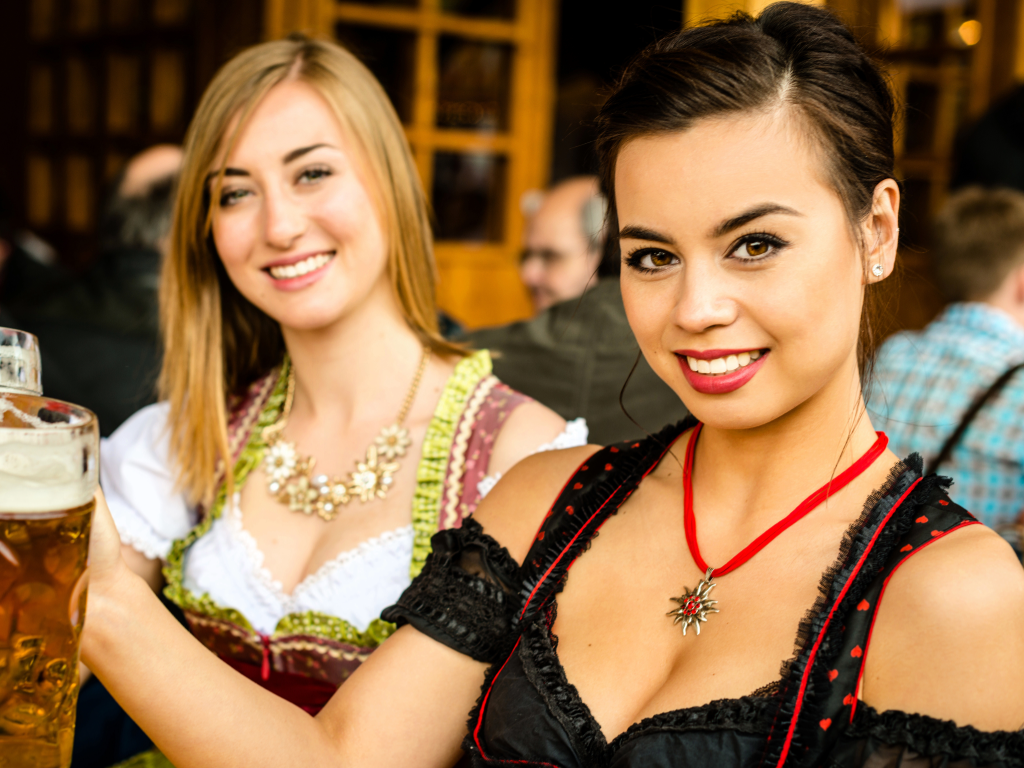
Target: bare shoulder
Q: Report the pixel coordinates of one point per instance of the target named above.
(527, 427)
(949, 636)
(513, 511)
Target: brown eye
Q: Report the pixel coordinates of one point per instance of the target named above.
(661, 259)
(756, 248)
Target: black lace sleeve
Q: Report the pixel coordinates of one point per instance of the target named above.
(901, 740)
(466, 595)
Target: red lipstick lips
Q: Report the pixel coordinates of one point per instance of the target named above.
(722, 383)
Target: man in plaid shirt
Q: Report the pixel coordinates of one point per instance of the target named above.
(924, 381)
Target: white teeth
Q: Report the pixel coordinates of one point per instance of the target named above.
(300, 268)
(723, 364)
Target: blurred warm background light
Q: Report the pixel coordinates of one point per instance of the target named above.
(970, 32)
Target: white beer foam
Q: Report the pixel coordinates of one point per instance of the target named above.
(46, 470)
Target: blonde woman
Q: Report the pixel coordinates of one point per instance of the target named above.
(315, 429)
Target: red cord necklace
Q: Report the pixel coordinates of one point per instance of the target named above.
(695, 605)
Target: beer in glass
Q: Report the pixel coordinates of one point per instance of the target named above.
(48, 474)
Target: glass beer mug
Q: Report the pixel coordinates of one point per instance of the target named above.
(49, 455)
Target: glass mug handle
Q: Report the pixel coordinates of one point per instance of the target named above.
(20, 366)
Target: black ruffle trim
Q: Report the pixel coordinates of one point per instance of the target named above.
(473, 613)
(546, 674)
(929, 736)
(632, 460)
(749, 714)
(856, 541)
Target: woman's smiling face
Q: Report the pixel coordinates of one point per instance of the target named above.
(295, 224)
(739, 261)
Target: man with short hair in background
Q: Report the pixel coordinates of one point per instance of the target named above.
(577, 353)
(924, 382)
(563, 243)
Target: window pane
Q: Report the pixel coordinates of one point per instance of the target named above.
(473, 84)
(391, 55)
(81, 96)
(495, 9)
(40, 99)
(170, 12)
(84, 16)
(123, 85)
(40, 190)
(78, 204)
(166, 91)
(469, 196)
(44, 18)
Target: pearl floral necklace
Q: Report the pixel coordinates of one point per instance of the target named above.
(290, 477)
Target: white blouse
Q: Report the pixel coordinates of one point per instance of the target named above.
(227, 563)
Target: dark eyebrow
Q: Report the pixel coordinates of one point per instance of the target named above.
(293, 155)
(642, 233)
(297, 153)
(227, 172)
(757, 212)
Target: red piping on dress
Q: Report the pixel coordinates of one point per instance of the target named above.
(559, 558)
(575, 472)
(483, 706)
(589, 519)
(817, 643)
(878, 605)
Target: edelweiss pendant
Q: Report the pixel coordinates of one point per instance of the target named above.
(694, 606)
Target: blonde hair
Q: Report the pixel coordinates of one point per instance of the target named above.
(216, 343)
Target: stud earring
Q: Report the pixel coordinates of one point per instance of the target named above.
(877, 270)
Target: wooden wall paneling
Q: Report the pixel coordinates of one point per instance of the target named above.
(122, 13)
(170, 12)
(167, 92)
(695, 11)
(79, 188)
(1006, 47)
(39, 200)
(124, 73)
(42, 19)
(83, 16)
(81, 92)
(281, 17)
(982, 56)
(41, 96)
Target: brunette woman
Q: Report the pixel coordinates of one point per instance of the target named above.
(300, 285)
(750, 164)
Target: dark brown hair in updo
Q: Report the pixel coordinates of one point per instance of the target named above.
(792, 55)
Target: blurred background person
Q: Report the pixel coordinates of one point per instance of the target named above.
(563, 242)
(576, 355)
(925, 382)
(98, 332)
(29, 267)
